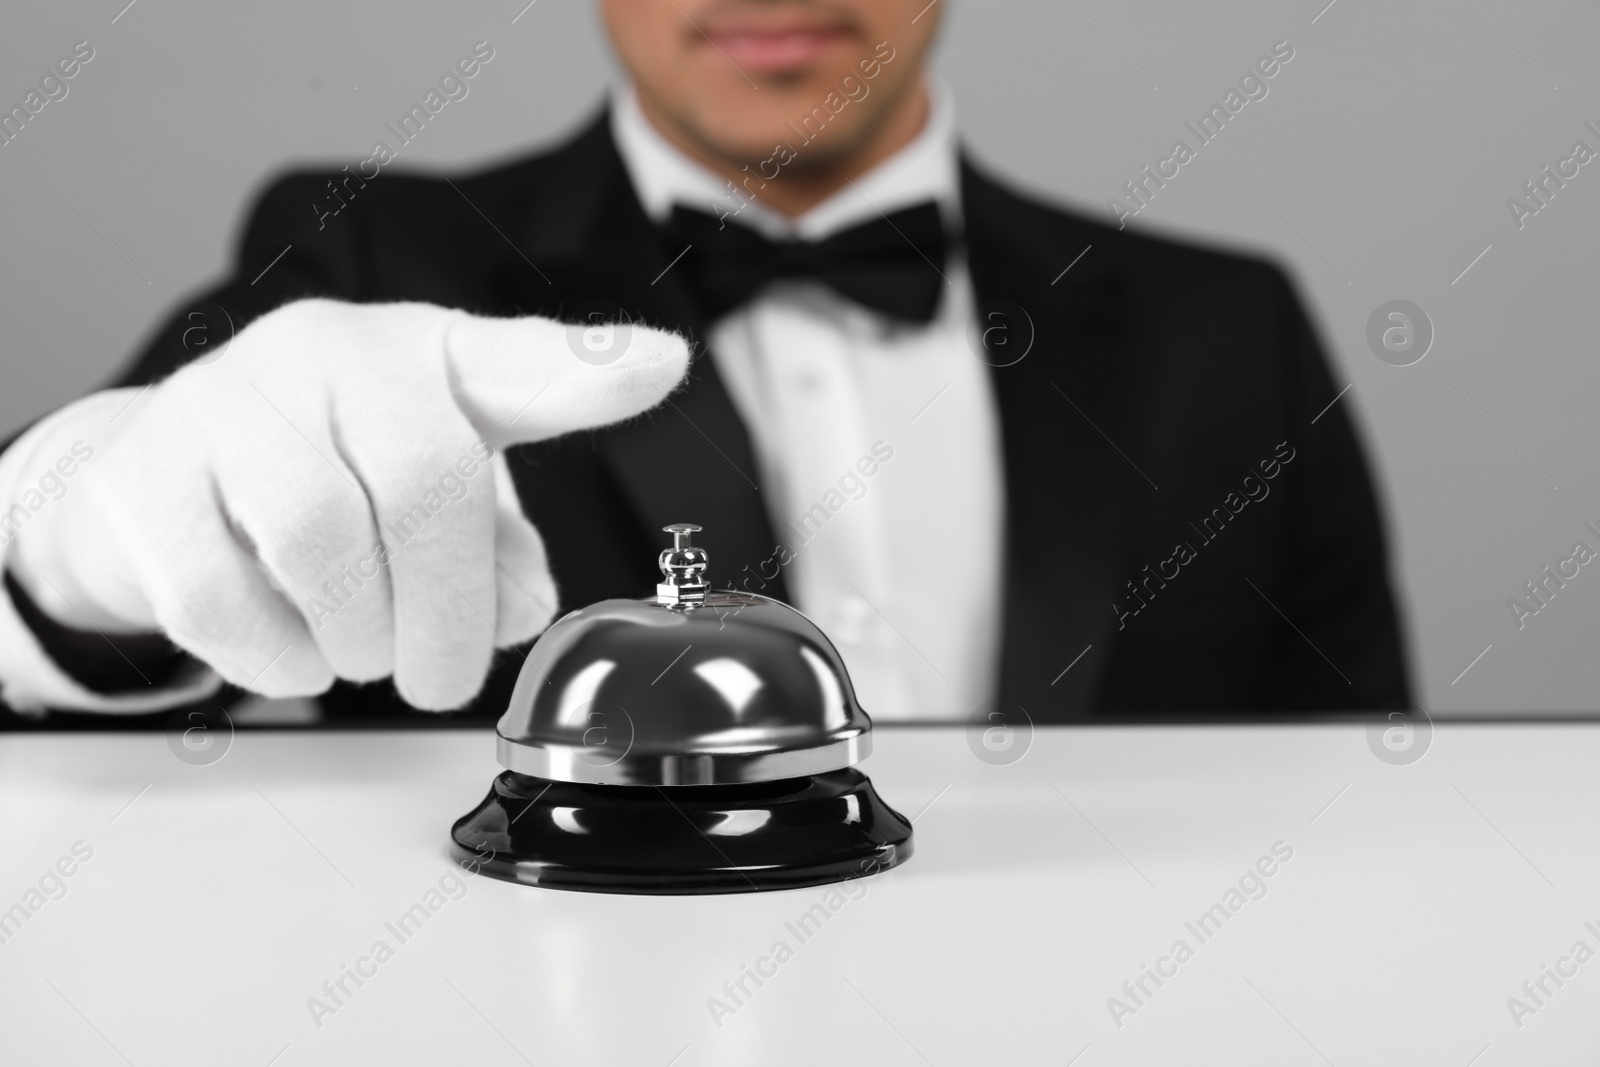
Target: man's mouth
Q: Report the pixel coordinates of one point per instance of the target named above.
(775, 50)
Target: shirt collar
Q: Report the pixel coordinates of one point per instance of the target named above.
(925, 169)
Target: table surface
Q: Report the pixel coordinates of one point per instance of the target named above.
(1417, 901)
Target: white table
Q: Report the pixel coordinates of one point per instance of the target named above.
(1418, 899)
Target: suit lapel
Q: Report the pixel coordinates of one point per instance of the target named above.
(689, 460)
(1071, 495)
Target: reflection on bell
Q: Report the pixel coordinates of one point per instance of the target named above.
(700, 741)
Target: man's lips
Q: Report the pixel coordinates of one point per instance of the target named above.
(775, 50)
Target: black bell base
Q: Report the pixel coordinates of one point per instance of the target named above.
(682, 839)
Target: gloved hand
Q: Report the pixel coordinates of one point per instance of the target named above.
(326, 499)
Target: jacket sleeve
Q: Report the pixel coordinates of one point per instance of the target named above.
(1340, 645)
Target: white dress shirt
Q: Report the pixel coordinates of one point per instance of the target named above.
(902, 569)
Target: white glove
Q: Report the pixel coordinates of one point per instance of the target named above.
(319, 502)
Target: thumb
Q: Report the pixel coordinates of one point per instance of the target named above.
(527, 379)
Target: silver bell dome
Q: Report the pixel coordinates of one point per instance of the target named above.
(690, 687)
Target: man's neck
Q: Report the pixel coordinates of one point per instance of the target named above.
(805, 183)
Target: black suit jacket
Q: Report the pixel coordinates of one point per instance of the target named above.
(1161, 377)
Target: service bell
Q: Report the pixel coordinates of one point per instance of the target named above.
(698, 741)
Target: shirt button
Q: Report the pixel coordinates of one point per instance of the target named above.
(853, 618)
(810, 382)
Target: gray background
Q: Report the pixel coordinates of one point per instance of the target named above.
(1380, 161)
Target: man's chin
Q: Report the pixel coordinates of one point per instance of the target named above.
(791, 117)
(779, 145)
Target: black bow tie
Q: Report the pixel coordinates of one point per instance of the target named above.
(892, 264)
